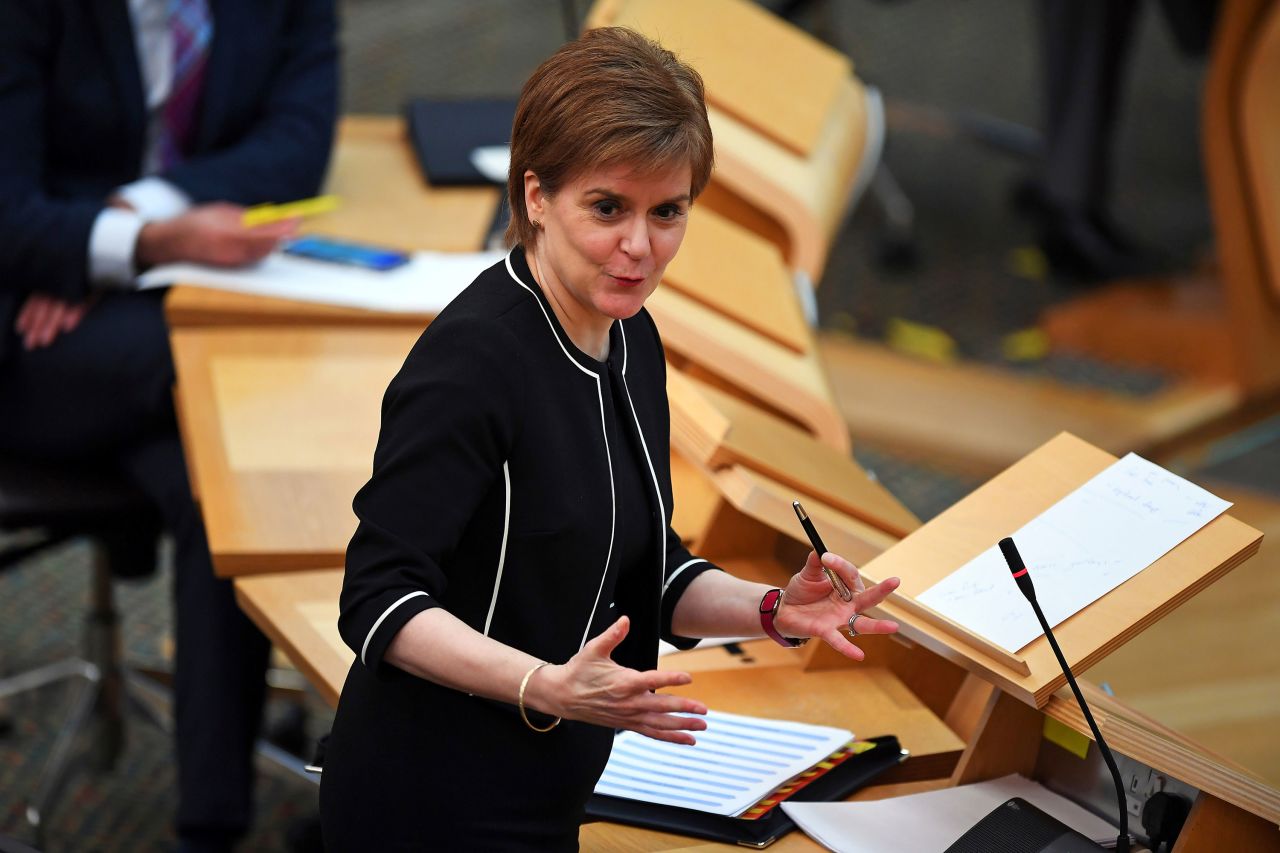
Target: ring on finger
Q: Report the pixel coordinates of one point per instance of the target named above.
(853, 632)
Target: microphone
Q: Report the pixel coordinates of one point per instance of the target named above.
(1023, 578)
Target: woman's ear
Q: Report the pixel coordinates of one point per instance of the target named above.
(535, 201)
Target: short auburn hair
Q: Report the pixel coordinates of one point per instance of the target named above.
(610, 97)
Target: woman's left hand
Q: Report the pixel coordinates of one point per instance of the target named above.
(811, 608)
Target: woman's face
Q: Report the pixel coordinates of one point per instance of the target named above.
(607, 237)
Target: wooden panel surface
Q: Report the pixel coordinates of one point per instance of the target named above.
(789, 382)
(298, 611)
(1225, 692)
(1166, 750)
(764, 443)
(693, 499)
(764, 71)
(279, 431)
(766, 500)
(734, 272)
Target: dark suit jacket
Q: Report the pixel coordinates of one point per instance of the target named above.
(73, 124)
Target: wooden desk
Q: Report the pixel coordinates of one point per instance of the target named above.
(299, 610)
(279, 431)
(384, 200)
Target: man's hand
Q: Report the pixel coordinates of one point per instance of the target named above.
(209, 234)
(43, 317)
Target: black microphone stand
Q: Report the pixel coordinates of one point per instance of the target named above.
(1021, 575)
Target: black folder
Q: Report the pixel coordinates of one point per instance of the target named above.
(836, 784)
(444, 133)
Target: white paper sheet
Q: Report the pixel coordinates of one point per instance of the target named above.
(736, 762)
(930, 822)
(424, 285)
(492, 161)
(665, 648)
(1081, 548)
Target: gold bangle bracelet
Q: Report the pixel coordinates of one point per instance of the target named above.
(524, 684)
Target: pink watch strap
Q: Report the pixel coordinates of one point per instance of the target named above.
(768, 610)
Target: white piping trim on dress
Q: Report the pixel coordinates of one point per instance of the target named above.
(623, 332)
(384, 615)
(686, 564)
(613, 497)
(644, 445)
(554, 334)
(502, 554)
(613, 515)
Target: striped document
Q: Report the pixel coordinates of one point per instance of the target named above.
(736, 762)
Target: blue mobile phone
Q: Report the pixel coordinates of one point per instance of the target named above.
(352, 254)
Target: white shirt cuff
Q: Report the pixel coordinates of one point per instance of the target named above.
(111, 246)
(155, 198)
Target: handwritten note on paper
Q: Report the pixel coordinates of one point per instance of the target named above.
(735, 763)
(1078, 550)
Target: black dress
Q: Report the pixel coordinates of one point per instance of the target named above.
(525, 487)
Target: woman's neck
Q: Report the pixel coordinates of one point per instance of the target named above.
(588, 331)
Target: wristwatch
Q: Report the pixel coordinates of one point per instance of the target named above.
(768, 610)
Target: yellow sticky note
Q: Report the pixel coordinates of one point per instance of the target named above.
(1028, 262)
(263, 213)
(922, 341)
(1025, 345)
(1066, 737)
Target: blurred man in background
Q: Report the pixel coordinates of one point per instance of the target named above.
(135, 133)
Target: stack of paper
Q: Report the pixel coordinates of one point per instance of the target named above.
(425, 285)
(736, 762)
(1078, 550)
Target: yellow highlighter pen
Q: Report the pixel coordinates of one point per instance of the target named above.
(263, 214)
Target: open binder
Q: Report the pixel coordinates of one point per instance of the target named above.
(836, 784)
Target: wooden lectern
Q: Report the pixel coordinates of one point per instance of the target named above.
(1003, 710)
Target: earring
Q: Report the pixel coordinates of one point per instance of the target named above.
(536, 224)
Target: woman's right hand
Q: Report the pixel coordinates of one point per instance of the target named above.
(594, 689)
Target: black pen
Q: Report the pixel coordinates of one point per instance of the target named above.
(836, 582)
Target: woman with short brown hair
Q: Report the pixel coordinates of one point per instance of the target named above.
(514, 565)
